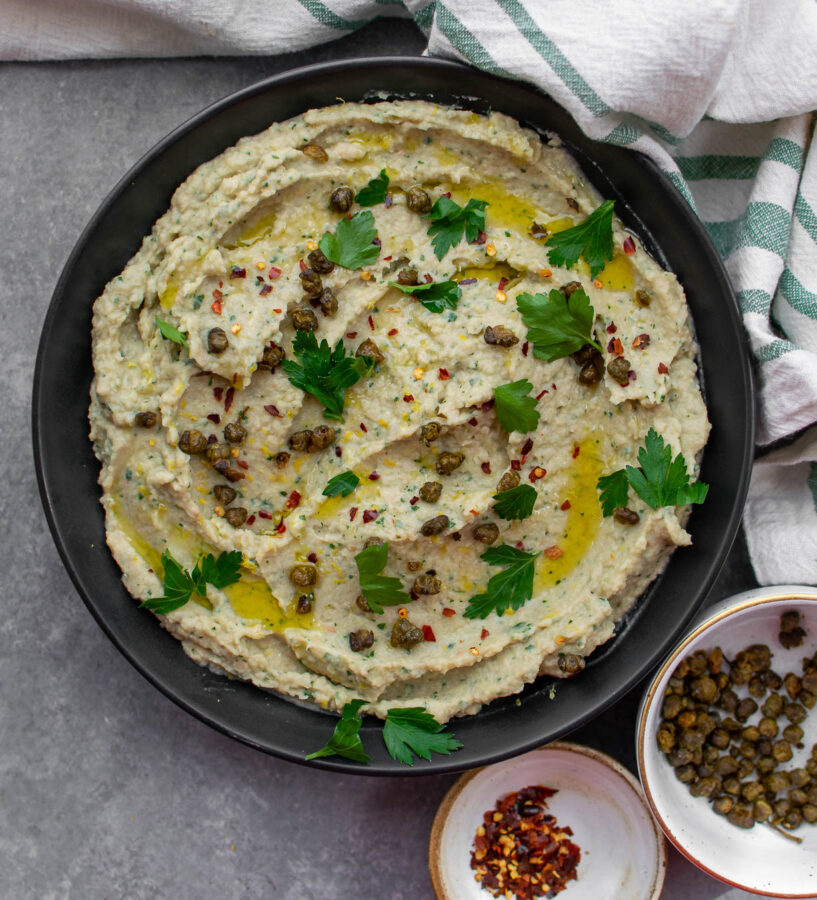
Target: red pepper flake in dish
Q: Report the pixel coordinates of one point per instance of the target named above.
(369, 515)
(473, 421)
(537, 473)
(228, 398)
(527, 446)
(279, 311)
(554, 552)
(215, 418)
(576, 451)
(408, 398)
(541, 394)
(414, 501)
(218, 393)
(370, 320)
(448, 612)
(502, 282)
(521, 851)
(387, 258)
(641, 341)
(427, 278)
(338, 452)
(363, 427)
(488, 405)
(352, 513)
(374, 476)
(612, 328)
(237, 272)
(663, 369)
(484, 634)
(519, 545)
(216, 307)
(443, 373)
(266, 289)
(275, 272)
(273, 410)
(631, 375)
(615, 347)
(280, 529)
(565, 506)
(628, 246)
(392, 332)
(293, 500)
(486, 467)
(313, 558)
(482, 237)
(525, 348)
(251, 520)
(242, 464)
(217, 295)
(263, 514)
(302, 264)
(428, 633)
(516, 465)
(377, 242)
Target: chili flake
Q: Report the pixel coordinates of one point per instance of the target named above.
(236, 272)
(293, 500)
(215, 418)
(527, 446)
(486, 467)
(273, 410)
(612, 328)
(565, 506)
(228, 398)
(218, 393)
(414, 501)
(448, 612)
(525, 348)
(427, 278)
(302, 264)
(251, 520)
(374, 476)
(554, 552)
(443, 373)
(541, 394)
(484, 634)
(263, 514)
(275, 272)
(338, 452)
(351, 335)
(537, 473)
(408, 398)
(615, 347)
(313, 558)
(641, 341)
(216, 307)
(280, 529)
(242, 463)
(520, 850)
(352, 513)
(516, 465)
(428, 633)
(628, 246)
(369, 515)
(662, 369)
(266, 289)
(576, 451)
(363, 427)
(392, 332)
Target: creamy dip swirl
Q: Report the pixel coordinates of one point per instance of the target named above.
(229, 254)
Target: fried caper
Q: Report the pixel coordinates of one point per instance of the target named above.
(217, 451)
(192, 442)
(745, 708)
(431, 491)
(315, 152)
(642, 298)
(369, 348)
(571, 663)
(271, 356)
(236, 516)
(448, 461)
(328, 302)
(147, 419)
(217, 341)
(405, 634)
(499, 336)
(437, 525)
(319, 262)
(303, 575)
(304, 319)
(626, 516)
(486, 533)
(417, 200)
(741, 816)
(570, 288)
(427, 584)
(619, 370)
(304, 604)
(235, 433)
(407, 276)
(361, 640)
(430, 432)
(509, 480)
(311, 282)
(322, 437)
(224, 493)
(341, 199)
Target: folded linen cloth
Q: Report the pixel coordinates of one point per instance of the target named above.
(719, 93)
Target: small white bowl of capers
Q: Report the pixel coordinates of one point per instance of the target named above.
(727, 742)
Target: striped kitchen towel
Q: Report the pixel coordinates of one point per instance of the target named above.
(720, 93)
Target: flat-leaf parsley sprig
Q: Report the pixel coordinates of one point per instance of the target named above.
(181, 585)
(325, 373)
(436, 297)
(169, 333)
(375, 191)
(514, 409)
(509, 589)
(661, 480)
(515, 503)
(352, 245)
(378, 590)
(345, 740)
(341, 485)
(557, 325)
(450, 220)
(592, 239)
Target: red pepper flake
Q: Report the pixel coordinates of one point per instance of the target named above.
(628, 246)
(502, 282)
(427, 278)
(387, 202)
(251, 520)
(553, 385)
(576, 451)
(387, 258)
(279, 311)
(217, 295)
(408, 398)
(371, 323)
(527, 446)
(473, 421)
(414, 501)
(641, 341)
(338, 452)
(218, 393)
(293, 500)
(216, 307)
(280, 529)
(615, 347)
(537, 473)
(374, 476)
(275, 272)
(565, 506)
(392, 332)
(428, 633)
(363, 427)
(352, 513)
(273, 410)
(631, 375)
(484, 634)
(228, 398)
(612, 328)
(448, 612)
(302, 264)
(553, 552)
(351, 335)
(369, 515)
(663, 369)
(242, 463)
(263, 514)
(542, 394)
(482, 237)
(443, 373)
(376, 242)
(516, 465)
(486, 468)
(313, 558)
(519, 545)
(215, 418)
(236, 272)
(266, 289)
(525, 348)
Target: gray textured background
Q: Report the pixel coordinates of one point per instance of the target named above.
(108, 790)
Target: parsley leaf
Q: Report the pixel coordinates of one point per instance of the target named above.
(341, 485)
(515, 410)
(375, 190)
(436, 296)
(345, 740)
(170, 333)
(378, 590)
(351, 245)
(180, 585)
(413, 730)
(661, 480)
(325, 373)
(592, 238)
(515, 503)
(509, 589)
(450, 220)
(557, 325)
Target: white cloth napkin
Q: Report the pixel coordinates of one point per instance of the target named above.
(719, 93)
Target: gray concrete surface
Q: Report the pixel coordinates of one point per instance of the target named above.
(108, 790)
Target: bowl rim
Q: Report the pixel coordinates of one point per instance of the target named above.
(738, 603)
(221, 720)
(599, 756)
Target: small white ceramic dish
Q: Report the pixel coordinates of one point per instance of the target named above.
(758, 859)
(623, 853)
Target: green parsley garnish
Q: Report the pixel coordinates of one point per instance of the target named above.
(661, 480)
(325, 373)
(351, 245)
(378, 590)
(436, 296)
(592, 238)
(341, 485)
(413, 730)
(515, 503)
(450, 220)
(170, 333)
(180, 585)
(345, 740)
(557, 325)
(509, 589)
(375, 191)
(515, 410)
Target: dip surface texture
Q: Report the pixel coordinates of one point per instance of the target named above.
(229, 268)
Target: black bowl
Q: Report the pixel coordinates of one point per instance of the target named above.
(67, 470)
